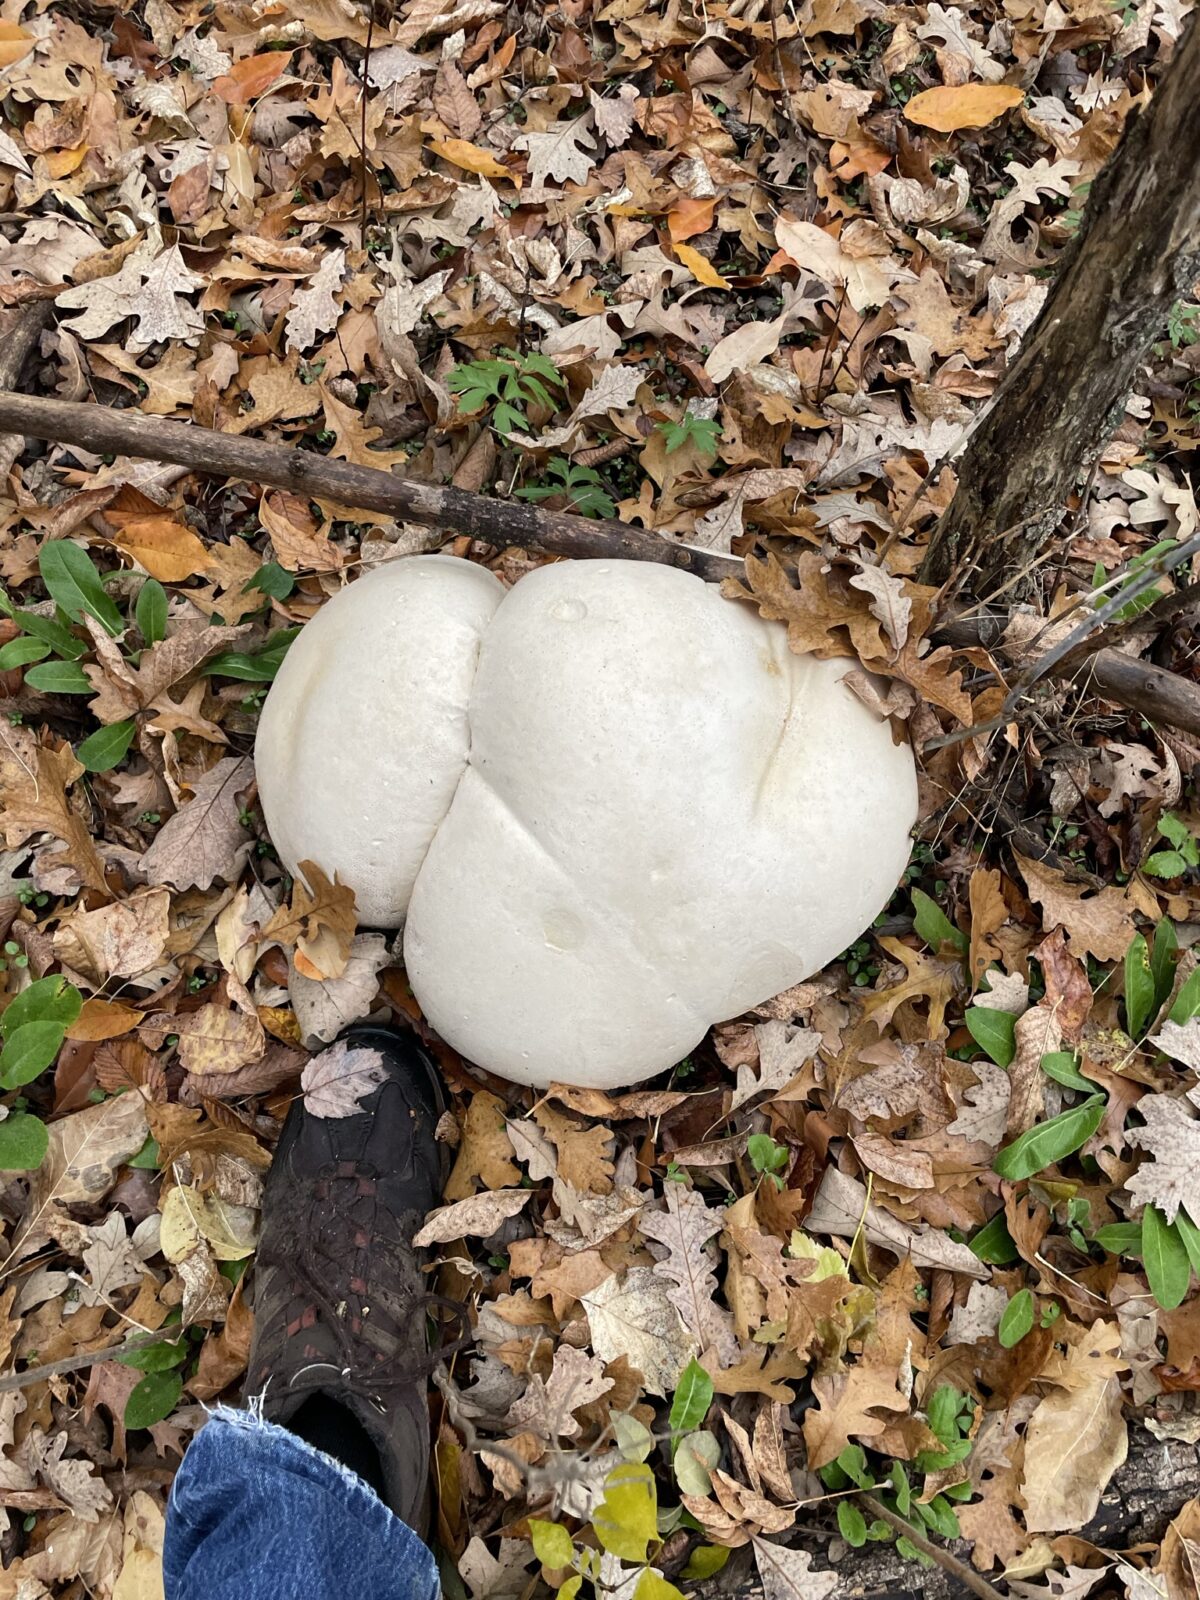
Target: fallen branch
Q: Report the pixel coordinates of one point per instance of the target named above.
(90, 1358)
(937, 1553)
(1157, 695)
(495, 522)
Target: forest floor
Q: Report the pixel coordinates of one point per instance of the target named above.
(914, 1242)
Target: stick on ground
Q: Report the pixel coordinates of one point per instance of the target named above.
(496, 522)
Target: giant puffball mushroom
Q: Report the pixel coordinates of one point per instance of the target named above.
(608, 807)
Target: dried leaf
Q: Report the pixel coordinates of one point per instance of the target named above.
(1076, 1439)
(320, 922)
(786, 1573)
(324, 1008)
(205, 839)
(633, 1316)
(336, 1082)
(950, 107)
(478, 1216)
(1171, 1178)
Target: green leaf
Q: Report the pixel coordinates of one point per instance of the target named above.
(552, 1544)
(1051, 1141)
(54, 633)
(943, 1412)
(153, 1400)
(1162, 961)
(59, 677)
(24, 1141)
(765, 1155)
(1165, 864)
(902, 1488)
(1120, 1238)
(157, 1357)
(906, 1548)
(853, 1463)
(274, 580)
(705, 1561)
(1176, 830)
(934, 926)
(107, 747)
(45, 1000)
(1165, 1258)
(1190, 1234)
(570, 1588)
(994, 1032)
(72, 579)
(29, 1050)
(993, 1243)
(626, 1521)
(938, 1515)
(260, 668)
(150, 612)
(696, 1455)
(1187, 1001)
(1061, 1066)
(1139, 988)
(693, 1396)
(634, 1439)
(1018, 1318)
(21, 651)
(149, 1157)
(852, 1524)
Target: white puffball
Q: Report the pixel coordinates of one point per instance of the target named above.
(610, 807)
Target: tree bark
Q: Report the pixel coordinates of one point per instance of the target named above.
(1137, 252)
(499, 522)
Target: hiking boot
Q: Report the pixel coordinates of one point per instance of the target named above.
(341, 1350)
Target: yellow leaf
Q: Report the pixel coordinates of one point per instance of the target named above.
(551, 1543)
(280, 1022)
(14, 43)
(462, 153)
(700, 267)
(653, 1586)
(625, 1521)
(189, 1216)
(166, 548)
(965, 105)
(103, 1019)
(61, 162)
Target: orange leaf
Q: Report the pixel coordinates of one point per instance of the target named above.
(248, 78)
(14, 43)
(166, 549)
(690, 217)
(966, 105)
(103, 1019)
(700, 267)
(462, 153)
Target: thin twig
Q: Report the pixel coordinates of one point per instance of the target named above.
(1049, 663)
(92, 1358)
(948, 1563)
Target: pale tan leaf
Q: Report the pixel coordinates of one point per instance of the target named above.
(478, 1216)
(632, 1316)
(1076, 1439)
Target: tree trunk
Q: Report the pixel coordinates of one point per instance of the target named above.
(1137, 252)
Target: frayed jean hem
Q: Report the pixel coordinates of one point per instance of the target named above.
(257, 1513)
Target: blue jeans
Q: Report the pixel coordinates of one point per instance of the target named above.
(257, 1514)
